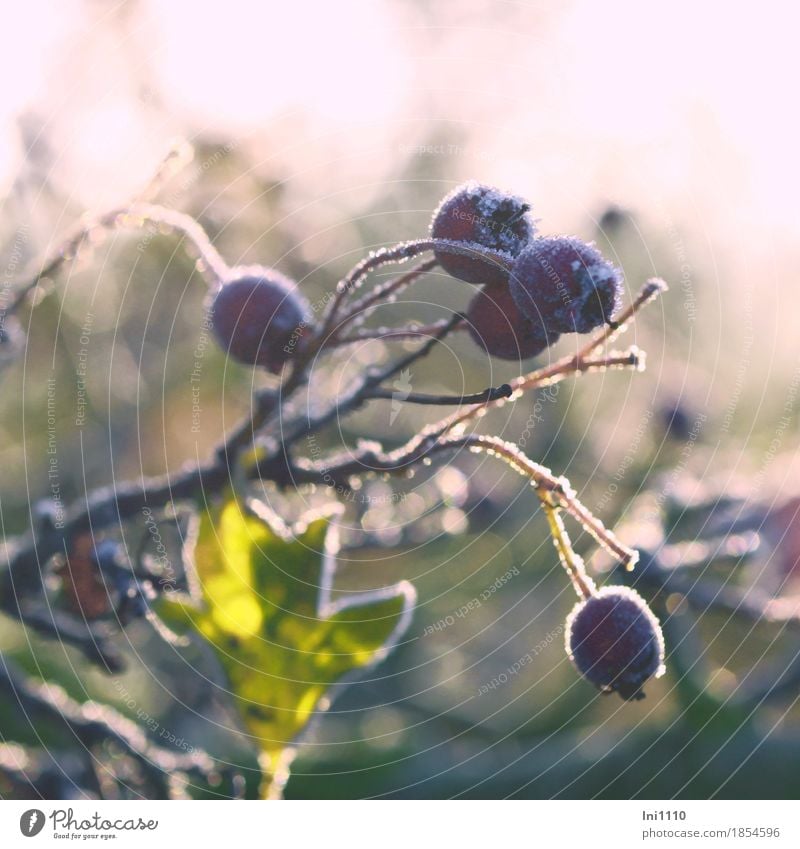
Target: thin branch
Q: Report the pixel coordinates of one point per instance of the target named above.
(332, 471)
(359, 309)
(179, 155)
(243, 434)
(560, 493)
(72, 632)
(490, 394)
(579, 363)
(387, 333)
(400, 253)
(409, 359)
(134, 216)
(100, 509)
(359, 395)
(47, 706)
(176, 159)
(572, 563)
(114, 505)
(214, 266)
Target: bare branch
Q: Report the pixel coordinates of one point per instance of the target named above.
(389, 333)
(490, 394)
(400, 253)
(180, 154)
(333, 470)
(360, 308)
(92, 725)
(580, 363)
(133, 216)
(572, 563)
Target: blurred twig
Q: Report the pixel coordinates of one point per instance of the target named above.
(92, 725)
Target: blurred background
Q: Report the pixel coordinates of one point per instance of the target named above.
(668, 134)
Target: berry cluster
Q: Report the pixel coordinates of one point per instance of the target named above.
(535, 288)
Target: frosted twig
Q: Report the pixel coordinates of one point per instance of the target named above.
(400, 253)
(397, 333)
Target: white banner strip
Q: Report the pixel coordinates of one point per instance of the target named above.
(402, 824)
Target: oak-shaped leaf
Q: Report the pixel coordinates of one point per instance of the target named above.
(262, 596)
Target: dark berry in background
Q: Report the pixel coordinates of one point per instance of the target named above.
(487, 217)
(676, 420)
(497, 326)
(613, 220)
(566, 283)
(615, 641)
(259, 319)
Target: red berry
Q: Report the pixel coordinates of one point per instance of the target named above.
(615, 641)
(565, 283)
(260, 318)
(497, 326)
(488, 218)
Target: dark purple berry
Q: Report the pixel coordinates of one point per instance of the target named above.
(615, 641)
(565, 283)
(497, 326)
(488, 218)
(260, 318)
(613, 219)
(676, 420)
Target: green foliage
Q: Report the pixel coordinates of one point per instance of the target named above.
(263, 600)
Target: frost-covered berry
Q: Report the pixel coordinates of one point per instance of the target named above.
(260, 318)
(487, 217)
(566, 283)
(615, 641)
(497, 326)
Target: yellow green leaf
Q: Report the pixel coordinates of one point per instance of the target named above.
(263, 599)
